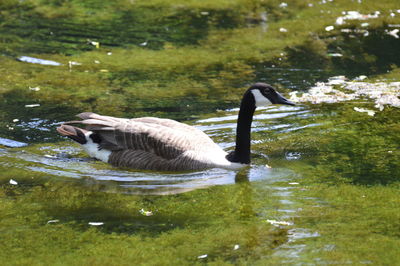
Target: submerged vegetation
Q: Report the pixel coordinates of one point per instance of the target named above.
(336, 202)
(179, 230)
(126, 52)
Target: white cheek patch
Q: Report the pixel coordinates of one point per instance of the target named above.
(260, 99)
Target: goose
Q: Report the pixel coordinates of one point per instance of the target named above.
(159, 144)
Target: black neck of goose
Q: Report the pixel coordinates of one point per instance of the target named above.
(242, 149)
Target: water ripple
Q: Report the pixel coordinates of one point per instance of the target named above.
(65, 161)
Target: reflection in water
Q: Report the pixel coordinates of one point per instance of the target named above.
(140, 182)
(221, 128)
(294, 247)
(11, 143)
(34, 60)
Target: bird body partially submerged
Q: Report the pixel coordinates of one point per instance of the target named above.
(163, 144)
(147, 143)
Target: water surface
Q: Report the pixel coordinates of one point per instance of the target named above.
(323, 184)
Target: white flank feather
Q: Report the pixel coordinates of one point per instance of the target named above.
(92, 149)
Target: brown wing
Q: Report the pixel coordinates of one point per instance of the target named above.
(163, 137)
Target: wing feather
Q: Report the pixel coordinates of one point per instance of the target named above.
(165, 138)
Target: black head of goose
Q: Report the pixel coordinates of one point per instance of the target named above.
(166, 145)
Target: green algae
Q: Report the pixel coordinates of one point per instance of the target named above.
(358, 224)
(348, 189)
(222, 57)
(346, 146)
(180, 229)
(182, 60)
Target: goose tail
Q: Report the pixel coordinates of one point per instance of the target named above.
(75, 133)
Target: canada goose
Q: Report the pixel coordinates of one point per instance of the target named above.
(167, 145)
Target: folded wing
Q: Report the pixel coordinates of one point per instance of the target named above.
(165, 138)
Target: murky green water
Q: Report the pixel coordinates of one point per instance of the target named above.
(331, 196)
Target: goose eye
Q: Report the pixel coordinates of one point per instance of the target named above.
(266, 90)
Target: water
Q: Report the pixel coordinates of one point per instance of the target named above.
(285, 137)
(323, 184)
(34, 60)
(65, 162)
(61, 160)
